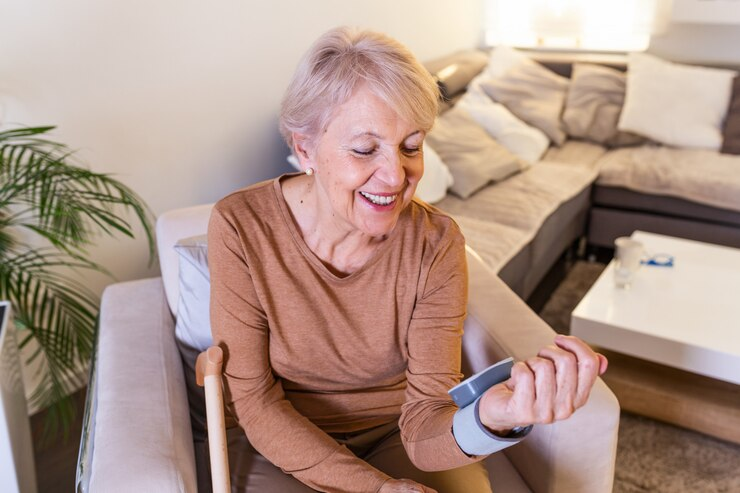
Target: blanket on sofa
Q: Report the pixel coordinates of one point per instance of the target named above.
(702, 176)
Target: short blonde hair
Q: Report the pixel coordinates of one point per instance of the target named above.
(340, 60)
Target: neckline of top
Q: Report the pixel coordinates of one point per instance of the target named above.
(318, 264)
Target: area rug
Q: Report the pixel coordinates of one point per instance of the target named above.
(651, 456)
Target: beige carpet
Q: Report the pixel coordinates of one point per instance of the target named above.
(652, 456)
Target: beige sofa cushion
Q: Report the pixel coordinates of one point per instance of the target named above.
(533, 93)
(698, 175)
(473, 157)
(594, 103)
(702, 176)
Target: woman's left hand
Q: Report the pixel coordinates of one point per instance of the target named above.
(543, 389)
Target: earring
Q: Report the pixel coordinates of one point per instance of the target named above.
(309, 171)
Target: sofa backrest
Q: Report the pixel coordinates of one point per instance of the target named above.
(172, 226)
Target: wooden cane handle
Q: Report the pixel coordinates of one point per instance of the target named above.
(209, 362)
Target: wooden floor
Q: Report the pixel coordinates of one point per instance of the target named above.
(56, 462)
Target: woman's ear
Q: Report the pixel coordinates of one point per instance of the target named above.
(303, 150)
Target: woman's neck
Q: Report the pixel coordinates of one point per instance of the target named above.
(342, 248)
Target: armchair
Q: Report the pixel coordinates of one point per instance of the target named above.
(137, 435)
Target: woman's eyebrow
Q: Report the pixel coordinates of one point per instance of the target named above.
(370, 133)
(366, 133)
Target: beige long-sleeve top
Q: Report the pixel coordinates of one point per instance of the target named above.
(310, 353)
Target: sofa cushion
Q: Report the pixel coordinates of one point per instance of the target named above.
(594, 103)
(193, 326)
(524, 201)
(578, 153)
(731, 132)
(533, 93)
(495, 243)
(523, 140)
(675, 104)
(454, 72)
(474, 158)
(702, 176)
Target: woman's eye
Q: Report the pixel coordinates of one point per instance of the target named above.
(411, 151)
(363, 152)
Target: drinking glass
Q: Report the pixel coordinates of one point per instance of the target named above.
(628, 255)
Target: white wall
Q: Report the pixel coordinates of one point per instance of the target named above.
(699, 43)
(179, 98)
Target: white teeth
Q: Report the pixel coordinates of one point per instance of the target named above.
(379, 199)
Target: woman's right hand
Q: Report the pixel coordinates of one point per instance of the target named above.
(404, 486)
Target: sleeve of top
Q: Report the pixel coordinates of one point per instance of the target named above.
(434, 347)
(254, 394)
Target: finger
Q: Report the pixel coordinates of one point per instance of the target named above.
(521, 404)
(588, 365)
(566, 376)
(603, 363)
(545, 388)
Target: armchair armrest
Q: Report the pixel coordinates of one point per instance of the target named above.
(575, 455)
(141, 434)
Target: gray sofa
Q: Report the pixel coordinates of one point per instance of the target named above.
(579, 190)
(618, 211)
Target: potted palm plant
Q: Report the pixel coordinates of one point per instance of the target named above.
(51, 210)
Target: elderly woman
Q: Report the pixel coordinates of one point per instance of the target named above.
(339, 299)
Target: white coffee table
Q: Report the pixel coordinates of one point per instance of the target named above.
(673, 338)
(686, 316)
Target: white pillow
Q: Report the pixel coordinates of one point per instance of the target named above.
(193, 326)
(523, 140)
(675, 104)
(436, 179)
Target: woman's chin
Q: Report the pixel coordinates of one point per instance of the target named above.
(379, 221)
(378, 228)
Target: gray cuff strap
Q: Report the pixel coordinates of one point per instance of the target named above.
(474, 438)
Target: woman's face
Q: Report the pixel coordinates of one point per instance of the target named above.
(367, 164)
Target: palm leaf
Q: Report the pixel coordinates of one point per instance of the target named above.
(44, 191)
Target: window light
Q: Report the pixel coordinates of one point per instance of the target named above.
(596, 25)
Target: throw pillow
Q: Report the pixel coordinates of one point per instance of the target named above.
(675, 104)
(436, 179)
(193, 326)
(473, 157)
(594, 103)
(533, 93)
(525, 141)
(453, 72)
(731, 133)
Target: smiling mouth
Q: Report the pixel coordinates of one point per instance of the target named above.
(380, 199)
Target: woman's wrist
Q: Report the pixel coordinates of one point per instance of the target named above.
(498, 429)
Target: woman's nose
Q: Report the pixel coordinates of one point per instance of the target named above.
(392, 171)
